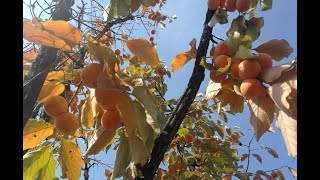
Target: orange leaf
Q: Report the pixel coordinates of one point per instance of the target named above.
(144, 50)
(183, 58)
(58, 34)
(236, 103)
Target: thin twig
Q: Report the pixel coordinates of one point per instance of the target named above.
(249, 152)
(75, 94)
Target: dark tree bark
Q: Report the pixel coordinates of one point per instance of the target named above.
(46, 59)
(172, 126)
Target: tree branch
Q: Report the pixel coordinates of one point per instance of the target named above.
(47, 57)
(46, 60)
(172, 126)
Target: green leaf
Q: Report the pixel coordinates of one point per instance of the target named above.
(222, 16)
(238, 25)
(138, 150)
(34, 161)
(35, 132)
(123, 157)
(145, 130)
(281, 175)
(107, 148)
(293, 172)
(70, 160)
(183, 131)
(123, 7)
(149, 102)
(270, 151)
(102, 138)
(146, 2)
(265, 5)
(49, 170)
(253, 27)
(244, 53)
(242, 175)
(258, 157)
(116, 8)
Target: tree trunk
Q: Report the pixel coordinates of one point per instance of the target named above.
(46, 59)
(172, 126)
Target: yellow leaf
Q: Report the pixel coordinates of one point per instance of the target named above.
(128, 113)
(144, 50)
(103, 54)
(183, 58)
(55, 75)
(100, 140)
(50, 89)
(70, 160)
(58, 34)
(87, 118)
(35, 132)
(224, 69)
(95, 107)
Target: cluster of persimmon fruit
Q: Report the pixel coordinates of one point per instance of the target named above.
(230, 5)
(67, 123)
(246, 71)
(110, 118)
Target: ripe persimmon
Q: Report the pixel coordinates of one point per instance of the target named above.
(231, 5)
(222, 49)
(222, 3)
(220, 61)
(117, 52)
(265, 61)
(66, 123)
(274, 174)
(217, 78)
(111, 120)
(226, 177)
(213, 4)
(178, 157)
(55, 105)
(243, 5)
(106, 98)
(251, 88)
(249, 69)
(189, 138)
(89, 74)
(234, 71)
(109, 107)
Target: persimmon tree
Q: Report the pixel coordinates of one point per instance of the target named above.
(79, 86)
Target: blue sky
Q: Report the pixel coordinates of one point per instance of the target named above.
(280, 23)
